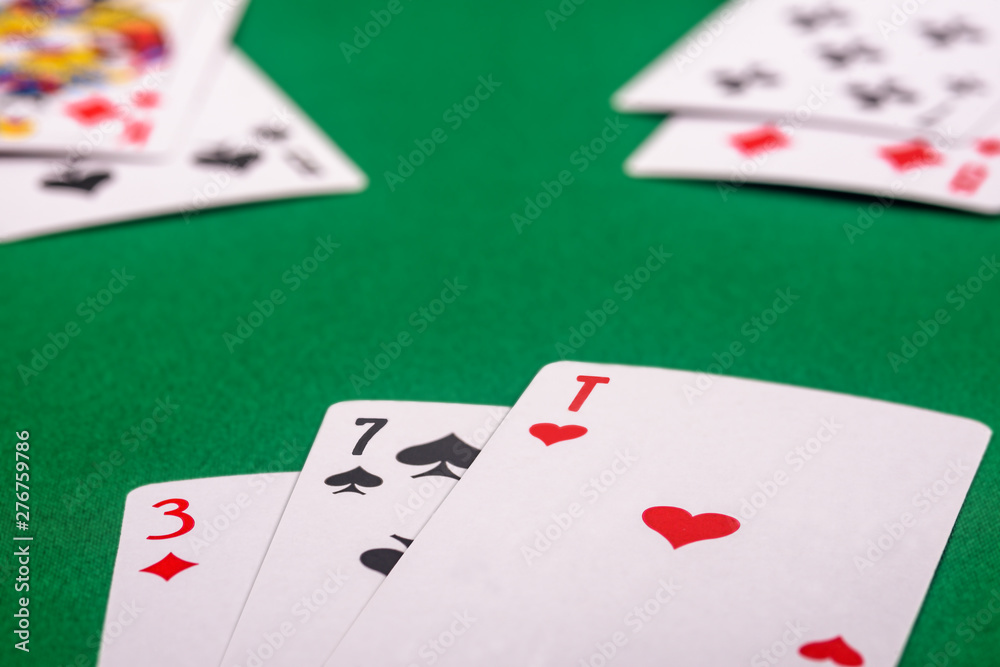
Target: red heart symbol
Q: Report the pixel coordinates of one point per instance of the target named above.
(680, 528)
(551, 433)
(835, 649)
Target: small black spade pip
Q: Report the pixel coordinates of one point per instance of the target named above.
(353, 479)
(736, 83)
(268, 133)
(449, 449)
(810, 20)
(383, 560)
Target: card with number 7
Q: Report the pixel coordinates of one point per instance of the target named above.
(188, 554)
(374, 475)
(640, 516)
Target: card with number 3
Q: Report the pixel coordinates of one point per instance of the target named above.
(188, 554)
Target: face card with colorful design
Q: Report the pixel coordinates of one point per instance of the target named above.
(187, 557)
(109, 76)
(641, 516)
(375, 474)
(880, 64)
(250, 143)
(963, 175)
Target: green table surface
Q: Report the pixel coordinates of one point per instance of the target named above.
(244, 410)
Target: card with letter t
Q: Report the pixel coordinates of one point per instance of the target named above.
(640, 516)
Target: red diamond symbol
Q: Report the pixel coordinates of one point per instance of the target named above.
(136, 131)
(168, 566)
(92, 110)
(760, 140)
(146, 99)
(988, 147)
(968, 178)
(911, 155)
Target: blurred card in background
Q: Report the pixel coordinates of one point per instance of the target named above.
(106, 77)
(250, 143)
(871, 65)
(734, 152)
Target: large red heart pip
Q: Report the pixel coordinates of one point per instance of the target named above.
(835, 649)
(680, 528)
(551, 433)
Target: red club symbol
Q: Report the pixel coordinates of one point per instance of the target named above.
(760, 140)
(551, 433)
(680, 527)
(836, 650)
(168, 566)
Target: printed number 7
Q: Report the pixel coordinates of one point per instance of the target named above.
(377, 425)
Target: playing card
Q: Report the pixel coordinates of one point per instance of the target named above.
(187, 557)
(250, 143)
(377, 471)
(106, 77)
(900, 68)
(963, 175)
(640, 516)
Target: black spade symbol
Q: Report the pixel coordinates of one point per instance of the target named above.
(228, 157)
(383, 560)
(449, 449)
(353, 479)
(75, 179)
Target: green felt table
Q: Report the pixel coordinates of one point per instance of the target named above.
(522, 290)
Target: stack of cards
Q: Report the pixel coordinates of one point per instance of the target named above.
(896, 100)
(112, 110)
(616, 515)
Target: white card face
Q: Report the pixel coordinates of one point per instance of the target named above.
(250, 143)
(965, 175)
(187, 558)
(375, 474)
(869, 64)
(112, 77)
(639, 516)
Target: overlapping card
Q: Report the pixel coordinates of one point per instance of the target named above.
(106, 77)
(736, 152)
(883, 98)
(118, 110)
(636, 515)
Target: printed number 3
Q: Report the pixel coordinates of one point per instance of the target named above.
(187, 521)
